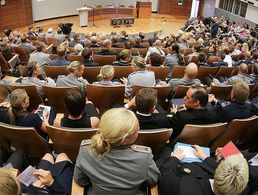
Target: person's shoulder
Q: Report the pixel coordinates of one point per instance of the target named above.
(141, 150)
(61, 77)
(85, 142)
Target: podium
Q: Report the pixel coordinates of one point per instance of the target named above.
(143, 9)
(84, 14)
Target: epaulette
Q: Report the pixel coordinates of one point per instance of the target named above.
(85, 142)
(139, 148)
(61, 76)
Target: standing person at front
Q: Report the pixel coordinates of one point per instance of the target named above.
(109, 163)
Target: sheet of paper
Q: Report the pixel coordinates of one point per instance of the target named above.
(254, 161)
(188, 151)
(27, 177)
(211, 182)
(8, 166)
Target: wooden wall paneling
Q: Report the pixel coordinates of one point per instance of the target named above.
(15, 14)
(171, 7)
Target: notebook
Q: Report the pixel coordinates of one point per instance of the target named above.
(229, 149)
(189, 152)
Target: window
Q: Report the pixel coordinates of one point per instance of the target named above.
(234, 6)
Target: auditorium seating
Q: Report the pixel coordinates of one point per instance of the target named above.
(7, 65)
(104, 59)
(178, 72)
(68, 140)
(25, 138)
(22, 54)
(54, 71)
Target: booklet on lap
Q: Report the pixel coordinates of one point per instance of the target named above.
(188, 151)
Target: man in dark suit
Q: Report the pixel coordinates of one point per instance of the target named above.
(194, 112)
(137, 43)
(238, 108)
(231, 176)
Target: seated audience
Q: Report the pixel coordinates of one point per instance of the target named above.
(123, 37)
(156, 48)
(238, 108)
(105, 76)
(87, 54)
(202, 60)
(125, 58)
(241, 75)
(49, 33)
(77, 49)
(156, 59)
(137, 43)
(94, 41)
(228, 58)
(40, 56)
(33, 70)
(82, 114)
(106, 49)
(220, 61)
(53, 177)
(28, 47)
(17, 113)
(60, 61)
(31, 32)
(231, 175)
(255, 73)
(172, 58)
(76, 40)
(74, 78)
(59, 36)
(140, 76)
(191, 71)
(103, 162)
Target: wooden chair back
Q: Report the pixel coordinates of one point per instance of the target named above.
(55, 97)
(141, 51)
(104, 59)
(91, 73)
(225, 71)
(54, 71)
(160, 72)
(95, 50)
(162, 93)
(104, 97)
(202, 135)
(212, 59)
(237, 131)
(117, 49)
(32, 92)
(154, 138)
(178, 71)
(72, 58)
(221, 92)
(180, 91)
(52, 40)
(22, 54)
(5, 66)
(68, 140)
(43, 39)
(25, 138)
(204, 71)
(122, 71)
(254, 92)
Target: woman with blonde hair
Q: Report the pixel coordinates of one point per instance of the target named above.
(74, 78)
(9, 185)
(140, 76)
(106, 75)
(17, 113)
(109, 156)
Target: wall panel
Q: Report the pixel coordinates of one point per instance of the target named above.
(171, 7)
(15, 13)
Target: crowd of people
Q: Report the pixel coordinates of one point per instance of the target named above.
(110, 162)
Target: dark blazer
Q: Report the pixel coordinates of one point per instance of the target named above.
(154, 121)
(220, 63)
(107, 52)
(235, 110)
(191, 116)
(90, 63)
(138, 46)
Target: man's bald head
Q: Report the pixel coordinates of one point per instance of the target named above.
(191, 70)
(243, 68)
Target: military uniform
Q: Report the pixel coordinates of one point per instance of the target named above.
(121, 171)
(71, 81)
(38, 83)
(140, 77)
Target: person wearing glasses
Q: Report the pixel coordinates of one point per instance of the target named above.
(109, 163)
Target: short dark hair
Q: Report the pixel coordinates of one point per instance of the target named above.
(39, 47)
(74, 102)
(202, 57)
(156, 59)
(201, 95)
(86, 53)
(145, 99)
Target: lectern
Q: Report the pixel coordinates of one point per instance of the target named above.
(143, 9)
(83, 14)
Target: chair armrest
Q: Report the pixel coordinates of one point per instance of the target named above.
(49, 49)
(13, 60)
(76, 189)
(154, 190)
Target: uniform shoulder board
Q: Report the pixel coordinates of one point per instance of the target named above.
(61, 76)
(139, 148)
(85, 142)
